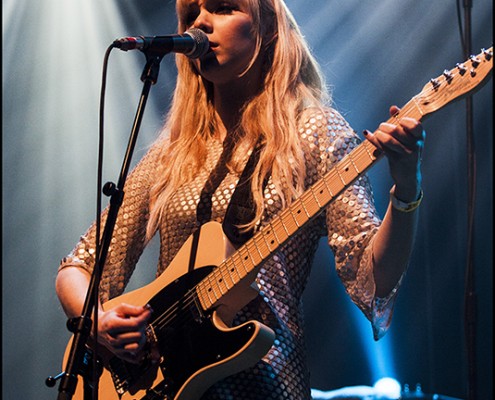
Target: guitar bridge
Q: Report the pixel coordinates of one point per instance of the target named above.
(124, 374)
(120, 375)
(196, 311)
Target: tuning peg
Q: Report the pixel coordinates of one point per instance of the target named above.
(488, 54)
(434, 82)
(462, 68)
(448, 75)
(475, 61)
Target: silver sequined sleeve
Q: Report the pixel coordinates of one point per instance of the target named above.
(352, 220)
(128, 241)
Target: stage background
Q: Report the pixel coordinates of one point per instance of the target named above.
(374, 54)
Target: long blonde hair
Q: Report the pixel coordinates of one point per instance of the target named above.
(292, 81)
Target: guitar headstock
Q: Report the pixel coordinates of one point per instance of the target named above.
(460, 81)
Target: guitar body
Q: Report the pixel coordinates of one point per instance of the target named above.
(197, 348)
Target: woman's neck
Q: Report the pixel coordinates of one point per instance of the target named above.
(229, 99)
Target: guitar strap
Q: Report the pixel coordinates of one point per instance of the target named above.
(241, 207)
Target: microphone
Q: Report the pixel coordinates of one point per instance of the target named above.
(193, 43)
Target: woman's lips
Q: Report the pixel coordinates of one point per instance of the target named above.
(211, 48)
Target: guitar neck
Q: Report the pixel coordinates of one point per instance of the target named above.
(452, 85)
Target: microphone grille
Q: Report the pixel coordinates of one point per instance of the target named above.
(201, 40)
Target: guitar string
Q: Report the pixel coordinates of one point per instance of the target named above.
(217, 276)
(171, 313)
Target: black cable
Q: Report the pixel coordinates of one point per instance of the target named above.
(461, 29)
(99, 180)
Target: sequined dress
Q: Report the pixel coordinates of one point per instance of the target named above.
(350, 223)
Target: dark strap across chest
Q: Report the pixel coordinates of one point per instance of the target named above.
(240, 210)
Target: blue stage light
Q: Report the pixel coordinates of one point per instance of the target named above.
(387, 388)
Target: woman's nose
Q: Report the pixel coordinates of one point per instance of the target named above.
(203, 22)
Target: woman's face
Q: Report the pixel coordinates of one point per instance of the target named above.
(230, 30)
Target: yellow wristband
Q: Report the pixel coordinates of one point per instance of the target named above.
(401, 205)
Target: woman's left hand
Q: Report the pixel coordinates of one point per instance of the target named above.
(402, 144)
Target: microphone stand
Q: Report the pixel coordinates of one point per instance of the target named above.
(81, 326)
(470, 291)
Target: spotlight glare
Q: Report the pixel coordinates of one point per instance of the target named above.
(387, 388)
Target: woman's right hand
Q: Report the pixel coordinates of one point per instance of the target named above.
(122, 330)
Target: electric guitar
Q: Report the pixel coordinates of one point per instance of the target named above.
(209, 280)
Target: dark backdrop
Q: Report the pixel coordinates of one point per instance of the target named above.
(374, 54)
